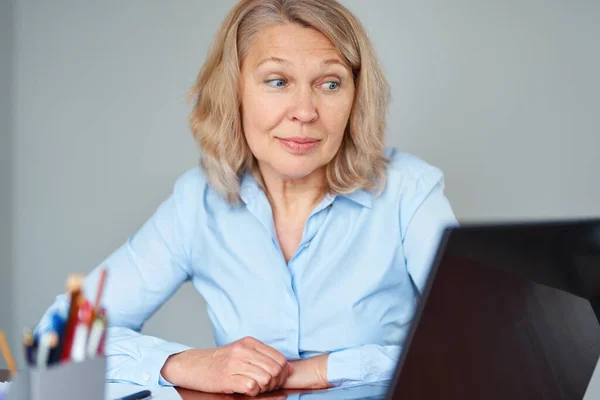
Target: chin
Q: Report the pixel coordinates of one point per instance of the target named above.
(293, 173)
(295, 169)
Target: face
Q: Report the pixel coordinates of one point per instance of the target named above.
(296, 94)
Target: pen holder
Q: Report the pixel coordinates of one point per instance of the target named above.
(69, 381)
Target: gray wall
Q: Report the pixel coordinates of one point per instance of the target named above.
(6, 59)
(503, 96)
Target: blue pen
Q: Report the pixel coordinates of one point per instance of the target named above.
(30, 343)
(58, 326)
(137, 396)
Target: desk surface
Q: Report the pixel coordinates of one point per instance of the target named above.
(372, 391)
(193, 395)
(592, 392)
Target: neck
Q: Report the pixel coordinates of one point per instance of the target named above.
(294, 197)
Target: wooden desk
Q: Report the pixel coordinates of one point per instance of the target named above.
(193, 395)
(3, 375)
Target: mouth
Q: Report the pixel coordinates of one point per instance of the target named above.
(298, 145)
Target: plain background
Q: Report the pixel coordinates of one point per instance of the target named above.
(6, 59)
(503, 96)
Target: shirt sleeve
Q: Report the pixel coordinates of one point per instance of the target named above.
(141, 276)
(362, 364)
(425, 212)
(424, 216)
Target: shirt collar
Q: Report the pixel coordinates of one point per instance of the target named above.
(360, 196)
(249, 189)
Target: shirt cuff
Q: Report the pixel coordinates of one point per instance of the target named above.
(153, 359)
(161, 381)
(343, 367)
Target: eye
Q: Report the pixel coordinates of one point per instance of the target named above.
(331, 85)
(276, 83)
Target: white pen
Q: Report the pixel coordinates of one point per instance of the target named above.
(80, 336)
(79, 342)
(48, 341)
(95, 337)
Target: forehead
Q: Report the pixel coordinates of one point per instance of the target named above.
(291, 42)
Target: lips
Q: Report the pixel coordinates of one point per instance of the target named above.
(301, 140)
(299, 145)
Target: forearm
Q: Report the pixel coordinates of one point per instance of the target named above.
(310, 373)
(131, 356)
(174, 368)
(137, 358)
(362, 364)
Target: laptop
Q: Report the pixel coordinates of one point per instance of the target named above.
(510, 311)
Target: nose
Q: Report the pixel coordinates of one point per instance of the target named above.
(303, 106)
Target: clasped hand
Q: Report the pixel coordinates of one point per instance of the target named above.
(246, 366)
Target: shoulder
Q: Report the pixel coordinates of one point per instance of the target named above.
(190, 184)
(189, 190)
(193, 194)
(410, 182)
(409, 172)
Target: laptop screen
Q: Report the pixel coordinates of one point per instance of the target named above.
(510, 311)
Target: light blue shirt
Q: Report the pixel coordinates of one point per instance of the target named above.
(350, 289)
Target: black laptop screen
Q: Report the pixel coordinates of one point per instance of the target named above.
(510, 311)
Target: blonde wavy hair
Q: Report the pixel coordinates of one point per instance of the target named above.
(215, 120)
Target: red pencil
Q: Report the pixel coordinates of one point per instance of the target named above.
(100, 289)
(96, 306)
(74, 285)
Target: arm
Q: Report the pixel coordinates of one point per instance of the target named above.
(142, 275)
(423, 223)
(362, 364)
(424, 213)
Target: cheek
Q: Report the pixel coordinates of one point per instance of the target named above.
(259, 117)
(337, 120)
(261, 112)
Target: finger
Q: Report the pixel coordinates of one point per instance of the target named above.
(289, 369)
(285, 373)
(243, 384)
(268, 364)
(262, 377)
(271, 352)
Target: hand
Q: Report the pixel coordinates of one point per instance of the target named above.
(310, 373)
(246, 366)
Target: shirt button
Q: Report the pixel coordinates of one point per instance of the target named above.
(146, 376)
(306, 244)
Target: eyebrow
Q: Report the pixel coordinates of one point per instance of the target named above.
(331, 61)
(272, 59)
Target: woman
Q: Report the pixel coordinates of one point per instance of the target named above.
(309, 241)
